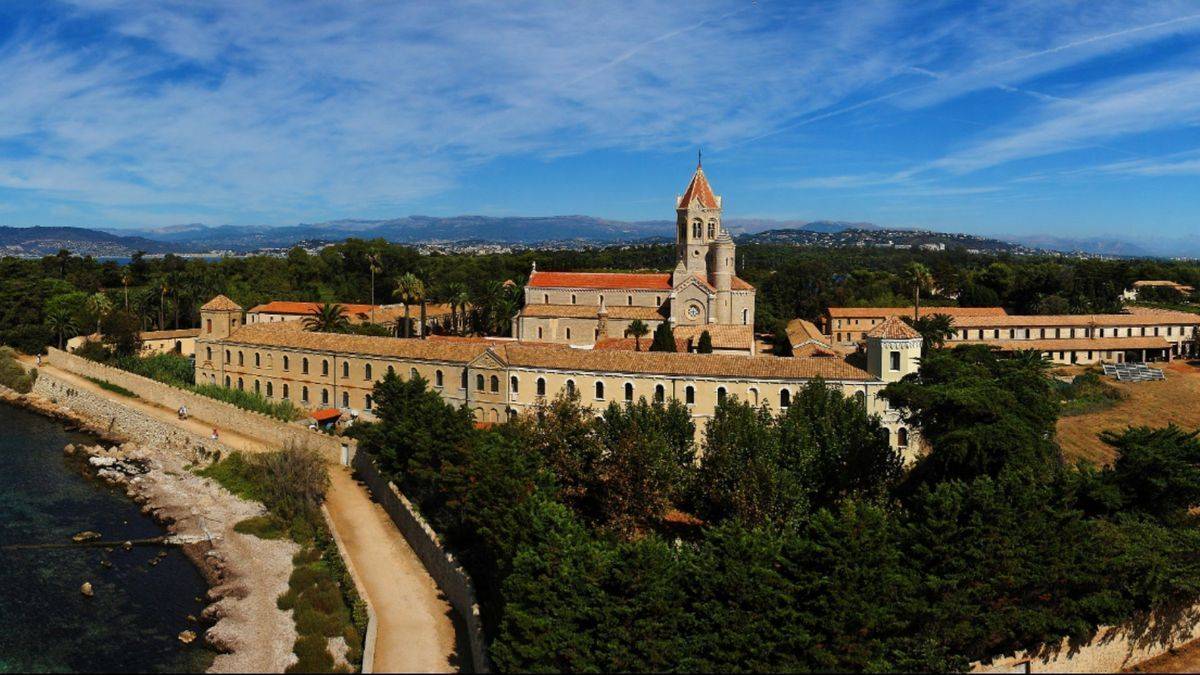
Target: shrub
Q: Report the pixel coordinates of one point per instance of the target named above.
(313, 655)
(13, 375)
(109, 386)
(283, 410)
(172, 369)
(263, 527)
(29, 338)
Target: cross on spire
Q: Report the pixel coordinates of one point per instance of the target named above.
(699, 158)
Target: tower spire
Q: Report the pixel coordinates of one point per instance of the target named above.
(699, 158)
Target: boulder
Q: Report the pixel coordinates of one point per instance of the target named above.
(187, 637)
(69, 449)
(86, 535)
(86, 589)
(102, 461)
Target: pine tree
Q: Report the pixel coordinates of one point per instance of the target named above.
(664, 339)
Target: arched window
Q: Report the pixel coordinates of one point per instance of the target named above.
(785, 398)
(391, 370)
(599, 390)
(324, 397)
(720, 395)
(324, 367)
(285, 390)
(539, 332)
(257, 360)
(368, 402)
(413, 374)
(629, 300)
(601, 299)
(208, 326)
(513, 384)
(541, 386)
(226, 381)
(629, 391)
(227, 357)
(712, 230)
(689, 395)
(345, 370)
(438, 378)
(570, 387)
(479, 382)
(270, 390)
(241, 385)
(753, 395)
(367, 372)
(696, 229)
(495, 384)
(304, 395)
(304, 365)
(208, 353)
(660, 394)
(568, 333)
(572, 298)
(257, 387)
(345, 399)
(463, 380)
(545, 298)
(241, 358)
(860, 398)
(902, 437)
(287, 363)
(745, 317)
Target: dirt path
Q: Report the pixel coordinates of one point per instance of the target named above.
(415, 632)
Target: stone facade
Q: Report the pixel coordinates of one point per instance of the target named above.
(703, 290)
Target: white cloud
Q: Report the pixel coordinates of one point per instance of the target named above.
(299, 110)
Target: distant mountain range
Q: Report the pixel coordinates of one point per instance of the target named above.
(558, 231)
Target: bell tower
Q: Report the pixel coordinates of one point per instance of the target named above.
(697, 223)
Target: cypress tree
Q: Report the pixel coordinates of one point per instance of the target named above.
(664, 339)
(705, 345)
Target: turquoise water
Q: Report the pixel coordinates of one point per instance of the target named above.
(132, 622)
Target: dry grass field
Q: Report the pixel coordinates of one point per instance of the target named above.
(1177, 399)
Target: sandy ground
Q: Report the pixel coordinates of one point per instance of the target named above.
(416, 631)
(1185, 659)
(1176, 399)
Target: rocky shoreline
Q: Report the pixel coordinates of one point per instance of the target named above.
(245, 574)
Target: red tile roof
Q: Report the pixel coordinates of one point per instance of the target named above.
(893, 329)
(698, 190)
(221, 304)
(290, 307)
(633, 282)
(881, 312)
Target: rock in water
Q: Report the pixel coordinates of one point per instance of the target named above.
(127, 545)
(86, 535)
(187, 637)
(86, 589)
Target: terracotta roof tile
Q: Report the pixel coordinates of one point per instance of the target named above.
(1074, 344)
(625, 281)
(1163, 317)
(881, 312)
(801, 331)
(893, 329)
(221, 304)
(169, 334)
(289, 334)
(700, 191)
(723, 336)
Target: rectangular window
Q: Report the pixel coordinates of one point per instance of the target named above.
(895, 360)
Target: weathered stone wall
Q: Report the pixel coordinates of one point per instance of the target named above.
(261, 427)
(445, 569)
(112, 418)
(1113, 650)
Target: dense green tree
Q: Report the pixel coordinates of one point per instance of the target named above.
(704, 346)
(121, 331)
(1157, 471)
(935, 329)
(664, 339)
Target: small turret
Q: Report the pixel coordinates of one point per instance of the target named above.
(219, 317)
(893, 350)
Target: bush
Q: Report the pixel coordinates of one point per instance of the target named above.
(109, 386)
(13, 375)
(172, 369)
(1087, 393)
(29, 338)
(263, 527)
(283, 410)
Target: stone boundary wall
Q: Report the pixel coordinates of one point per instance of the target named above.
(112, 417)
(369, 640)
(218, 413)
(1114, 649)
(445, 569)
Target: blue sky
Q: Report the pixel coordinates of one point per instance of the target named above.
(1040, 117)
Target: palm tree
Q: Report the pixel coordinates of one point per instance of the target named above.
(375, 262)
(61, 322)
(917, 276)
(99, 305)
(934, 330)
(409, 289)
(460, 298)
(63, 257)
(327, 318)
(638, 329)
(164, 287)
(126, 279)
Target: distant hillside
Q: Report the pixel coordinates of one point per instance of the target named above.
(39, 241)
(884, 238)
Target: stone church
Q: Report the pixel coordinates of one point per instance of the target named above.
(702, 293)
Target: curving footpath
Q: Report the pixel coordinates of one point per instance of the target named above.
(415, 631)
